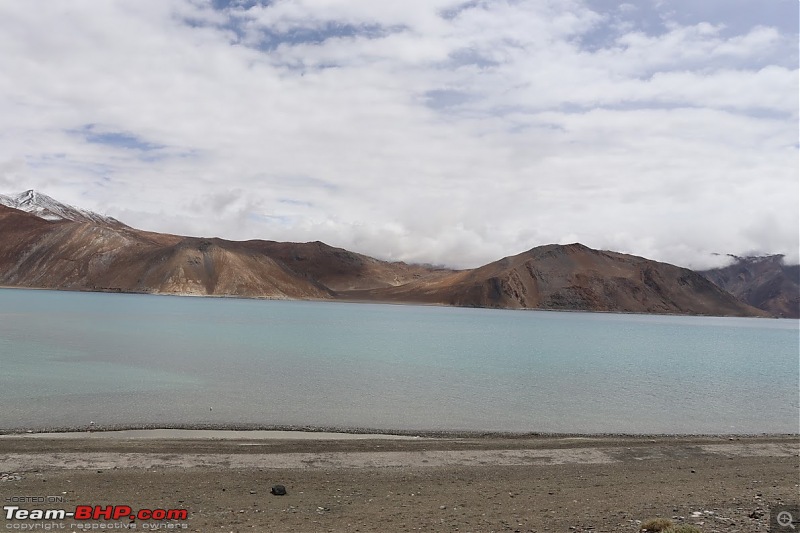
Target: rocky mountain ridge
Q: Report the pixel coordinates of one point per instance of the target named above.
(63, 254)
(574, 277)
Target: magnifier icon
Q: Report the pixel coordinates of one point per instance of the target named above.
(785, 519)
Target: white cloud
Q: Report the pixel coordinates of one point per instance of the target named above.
(425, 131)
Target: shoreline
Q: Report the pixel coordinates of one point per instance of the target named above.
(215, 434)
(300, 432)
(384, 302)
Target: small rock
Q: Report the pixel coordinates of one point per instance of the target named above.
(278, 490)
(252, 492)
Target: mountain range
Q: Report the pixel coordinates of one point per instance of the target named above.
(47, 244)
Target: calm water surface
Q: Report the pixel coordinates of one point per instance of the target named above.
(70, 358)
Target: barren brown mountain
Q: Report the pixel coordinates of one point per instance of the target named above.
(80, 255)
(86, 256)
(765, 282)
(341, 270)
(573, 277)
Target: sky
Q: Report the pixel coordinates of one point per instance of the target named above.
(434, 131)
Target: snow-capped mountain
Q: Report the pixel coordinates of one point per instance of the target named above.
(43, 206)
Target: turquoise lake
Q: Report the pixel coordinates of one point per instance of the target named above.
(129, 360)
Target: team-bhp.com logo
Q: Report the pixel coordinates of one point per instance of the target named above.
(97, 512)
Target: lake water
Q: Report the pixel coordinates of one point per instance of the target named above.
(70, 358)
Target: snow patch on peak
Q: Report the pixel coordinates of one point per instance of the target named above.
(28, 196)
(47, 208)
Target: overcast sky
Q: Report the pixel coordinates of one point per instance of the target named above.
(437, 131)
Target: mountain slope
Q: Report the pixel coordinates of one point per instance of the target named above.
(573, 277)
(82, 256)
(340, 269)
(35, 252)
(765, 282)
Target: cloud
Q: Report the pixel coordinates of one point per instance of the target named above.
(436, 131)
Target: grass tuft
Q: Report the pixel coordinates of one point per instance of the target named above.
(656, 524)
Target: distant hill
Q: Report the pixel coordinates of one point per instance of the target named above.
(573, 277)
(766, 282)
(47, 244)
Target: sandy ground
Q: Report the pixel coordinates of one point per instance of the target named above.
(377, 483)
